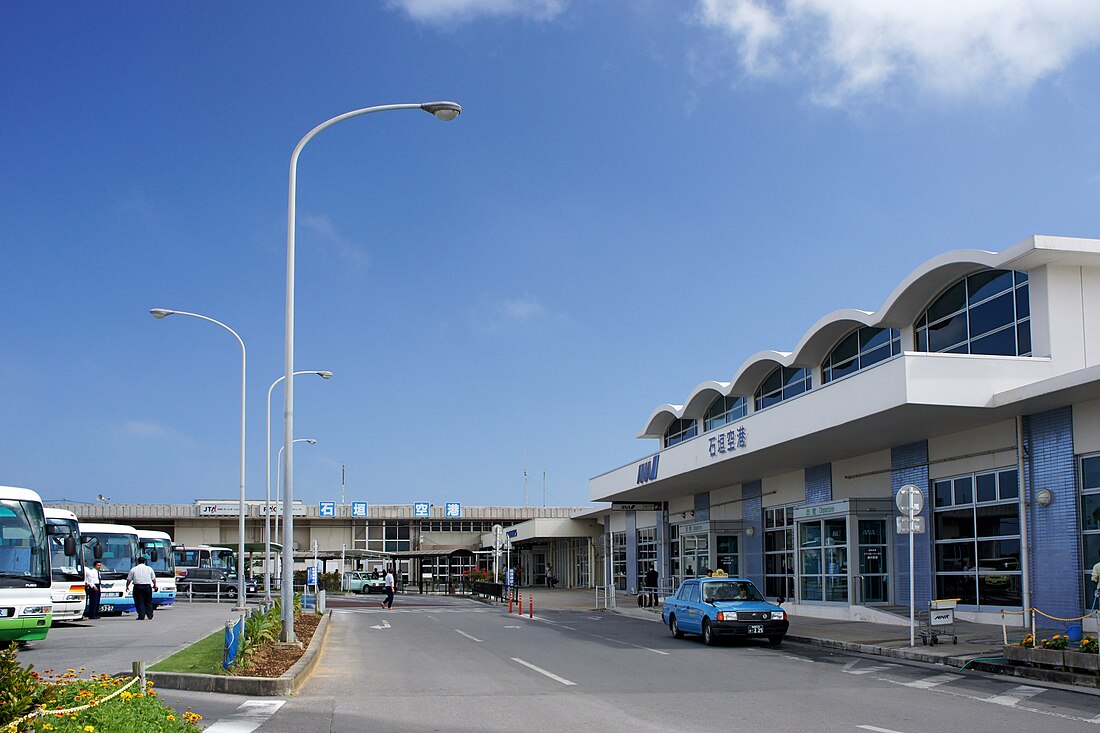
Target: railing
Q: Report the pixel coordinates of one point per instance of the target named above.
(220, 591)
(605, 597)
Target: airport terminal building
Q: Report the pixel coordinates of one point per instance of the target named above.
(977, 381)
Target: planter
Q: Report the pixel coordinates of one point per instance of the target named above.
(1082, 661)
(1040, 657)
(1017, 654)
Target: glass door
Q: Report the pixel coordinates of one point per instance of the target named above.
(727, 555)
(696, 555)
(874, 586)
(823, 560)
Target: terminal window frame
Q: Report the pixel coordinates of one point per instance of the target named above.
(724, 410)
(1090, 520)
(859, 350)
(782, 384)
(779, 549)
(618, 560)
(988, 313)
(647, 552)
(680, 430)
(973, 517)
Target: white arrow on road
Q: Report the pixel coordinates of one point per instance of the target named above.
(383, 625)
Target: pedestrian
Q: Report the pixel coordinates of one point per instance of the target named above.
(92, 589)
(651, 580)
(144, 581)
(1096, 582)
(690, 572)
(388, 603)
(549, 575)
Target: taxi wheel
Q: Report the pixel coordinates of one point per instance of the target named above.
(708, 634)
(675, 628)
(775, 641)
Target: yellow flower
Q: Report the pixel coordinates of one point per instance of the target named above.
(171, 717)
(89, 728)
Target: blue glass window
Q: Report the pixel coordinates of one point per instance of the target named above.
(985, 313)
(860, 349)
(679, 431)
(783, 384)
(725, 410)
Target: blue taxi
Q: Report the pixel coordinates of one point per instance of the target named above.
(719, 606)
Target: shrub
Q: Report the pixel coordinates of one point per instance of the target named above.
(1027, 642)
(20, 687)
(1088, 645)
(1058, 641)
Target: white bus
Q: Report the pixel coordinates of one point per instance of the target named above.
(204, 556)
(26, 610)
(69, 598)
(157, 548)
(116, 546)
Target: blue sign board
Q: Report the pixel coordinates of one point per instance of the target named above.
(420, 508)
(311, 575)
(328, 509)
(359, 509)
(453, 510)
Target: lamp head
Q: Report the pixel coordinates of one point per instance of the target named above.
(325, 374)
(311, 441)
(445, 111)
(160, 313)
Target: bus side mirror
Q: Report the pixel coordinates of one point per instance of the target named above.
(70, 547)
(152, 555)
(97, 552)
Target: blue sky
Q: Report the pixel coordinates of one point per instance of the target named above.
(637, 197)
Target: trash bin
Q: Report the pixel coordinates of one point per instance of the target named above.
(1074, 632)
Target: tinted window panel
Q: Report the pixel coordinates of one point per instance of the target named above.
(847, 348)
(1010, 488)
(869, 338)
(986, 284)
(987, 487)
(943, 493)
(945, 334)
(953, 525)
(964, 491)
(1090, 472)
(874, 356)
(1023, 303)
(957, 586)
(922, 340)
(995, 521)
(950, 302)
(954, 557)
(1090, 512)
(842, 369)
(992, 315)
(1023, 338)
(1001, 343)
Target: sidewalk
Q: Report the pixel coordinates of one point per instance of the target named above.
(975, 641)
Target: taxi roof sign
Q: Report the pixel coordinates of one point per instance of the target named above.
(719, 574)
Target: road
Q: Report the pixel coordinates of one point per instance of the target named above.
(451, 664)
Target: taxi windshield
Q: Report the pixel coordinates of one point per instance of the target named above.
(730, 591)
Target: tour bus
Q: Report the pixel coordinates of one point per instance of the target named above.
(204, 556)
(157, 549)
(26, 610)
(69, 598)
(116, 546)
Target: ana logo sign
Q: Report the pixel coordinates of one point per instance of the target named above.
(648, 470)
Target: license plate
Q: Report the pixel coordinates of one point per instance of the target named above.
(7, 612)
(112, 595)
(756, 629)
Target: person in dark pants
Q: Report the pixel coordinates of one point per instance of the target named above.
(388, 603)
(92, 589)
(651, 580)
(144, 581)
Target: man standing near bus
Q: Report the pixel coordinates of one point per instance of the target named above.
(92, 588)
(145, 582)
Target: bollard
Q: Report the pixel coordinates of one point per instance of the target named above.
(510, 603)
(139, 672)
(531, 605)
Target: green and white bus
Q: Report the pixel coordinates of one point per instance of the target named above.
(26, 610)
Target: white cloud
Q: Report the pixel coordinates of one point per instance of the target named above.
(491, 315)
(520, 309)
(952, 48)
(441, 11)
(323, 228)
(150, 430)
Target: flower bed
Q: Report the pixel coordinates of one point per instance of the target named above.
(1055, 653)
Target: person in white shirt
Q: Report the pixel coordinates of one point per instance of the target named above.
(144, 581)
(91, 587)
(388, 603)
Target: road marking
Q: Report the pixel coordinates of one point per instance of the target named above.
(540, 670)
(513, 627)
(249, 716)
(1015, 695)
(798, 659)
(877, 729)
(849, 668)
(471, 638)
(930, 682)
(383, 625)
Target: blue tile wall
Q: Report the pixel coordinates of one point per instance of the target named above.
(1055, 530)
(752, 514)
(909, 465)
(819, 484)
(702, 507)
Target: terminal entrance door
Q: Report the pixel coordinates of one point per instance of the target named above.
(695, 554)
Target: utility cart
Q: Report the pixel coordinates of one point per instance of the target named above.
(939, 620)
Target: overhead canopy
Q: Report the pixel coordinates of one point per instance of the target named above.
(248, 546)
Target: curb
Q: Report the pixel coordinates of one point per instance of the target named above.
(285, 684)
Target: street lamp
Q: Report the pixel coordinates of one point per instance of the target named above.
(323, 374)
(159, 313)
(445, 111)
(282, 509)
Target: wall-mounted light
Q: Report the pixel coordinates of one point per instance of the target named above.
(750, 531)
(1043, 497)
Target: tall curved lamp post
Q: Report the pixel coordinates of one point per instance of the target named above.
(159, 313)
(445, 111)
(279, 478)
(323, 374)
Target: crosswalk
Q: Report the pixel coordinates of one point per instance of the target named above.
(993, 690)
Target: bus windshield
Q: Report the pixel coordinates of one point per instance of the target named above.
(119, 553)
(65, 567)
(164, 564)
(223, 558)
(24, 549)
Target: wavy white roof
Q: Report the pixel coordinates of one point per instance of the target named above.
(900, 310)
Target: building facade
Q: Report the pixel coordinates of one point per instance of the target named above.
(977, 381)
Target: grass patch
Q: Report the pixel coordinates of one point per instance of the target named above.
(205, 656)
